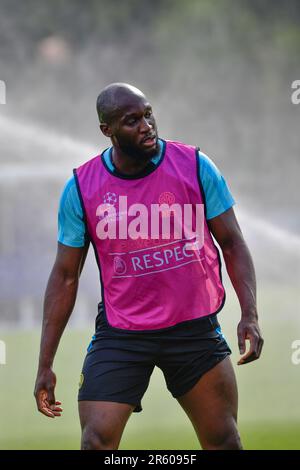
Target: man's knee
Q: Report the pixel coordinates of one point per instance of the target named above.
(226, 439)
(231, 442)
(99, 439)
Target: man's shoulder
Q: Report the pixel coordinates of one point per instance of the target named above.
(70, 184)
(69, 194)
(181, 150)
(179, 143)
(206, 163)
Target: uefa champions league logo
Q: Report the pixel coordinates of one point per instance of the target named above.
(109, 201)
(110, 198)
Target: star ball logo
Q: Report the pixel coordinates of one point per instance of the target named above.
(110, 198)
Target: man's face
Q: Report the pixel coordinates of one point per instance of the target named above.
(133, 128)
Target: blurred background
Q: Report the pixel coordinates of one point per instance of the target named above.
(219, 75)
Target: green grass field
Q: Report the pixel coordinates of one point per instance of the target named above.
(269, 409)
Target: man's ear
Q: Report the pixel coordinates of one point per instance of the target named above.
(106, 130)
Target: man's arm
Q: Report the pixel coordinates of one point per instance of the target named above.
(239, 265)
(59, 301)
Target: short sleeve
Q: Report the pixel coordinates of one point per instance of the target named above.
(218, 197)
(71, 225)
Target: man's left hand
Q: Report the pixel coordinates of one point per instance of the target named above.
(249, 330)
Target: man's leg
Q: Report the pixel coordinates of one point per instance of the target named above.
(212, 406)
(102, 424)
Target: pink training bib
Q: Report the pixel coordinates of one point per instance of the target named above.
(154, 273)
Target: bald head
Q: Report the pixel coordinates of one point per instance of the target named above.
(113, 98)
(127, 119)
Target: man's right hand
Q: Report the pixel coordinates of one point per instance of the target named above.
(44, 393)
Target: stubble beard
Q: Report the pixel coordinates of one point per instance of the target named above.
(138, 154)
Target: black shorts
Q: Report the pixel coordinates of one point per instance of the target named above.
(118, 365)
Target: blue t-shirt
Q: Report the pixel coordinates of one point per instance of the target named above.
(71, 226)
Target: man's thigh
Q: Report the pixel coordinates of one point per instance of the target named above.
(212, 406)
(102, 423)
(117, 370)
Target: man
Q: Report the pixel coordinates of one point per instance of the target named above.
(160, 292)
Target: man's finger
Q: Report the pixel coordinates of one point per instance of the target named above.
(51, 410)
(56, 408)
(260, 346)
(252, 354)
(47, 412)
(44, 406)
(41, 399)
(248, 358)
(51, 396)
(242, 342)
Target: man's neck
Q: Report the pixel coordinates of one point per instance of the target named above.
(126, 164)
